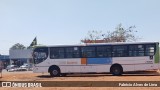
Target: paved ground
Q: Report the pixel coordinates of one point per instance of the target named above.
(30, 76)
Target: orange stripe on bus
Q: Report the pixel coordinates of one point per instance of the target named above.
(83, 60)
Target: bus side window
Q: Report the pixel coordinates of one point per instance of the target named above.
(56, 53)
(136, 50)
(150, 50)
(72, 52)
(88, 51)
(104, 51)
(119, 51)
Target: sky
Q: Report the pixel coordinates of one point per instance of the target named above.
(61, 22)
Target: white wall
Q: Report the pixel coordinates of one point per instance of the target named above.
(17, 54)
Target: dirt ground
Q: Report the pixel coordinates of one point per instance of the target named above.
(30, 76)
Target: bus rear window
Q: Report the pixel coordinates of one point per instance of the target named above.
(150, 50)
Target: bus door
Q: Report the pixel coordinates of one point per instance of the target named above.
(149, 52)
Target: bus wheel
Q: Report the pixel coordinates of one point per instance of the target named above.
(116, 70)
(55, 72)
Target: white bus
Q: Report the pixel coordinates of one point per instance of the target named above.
(115, 58)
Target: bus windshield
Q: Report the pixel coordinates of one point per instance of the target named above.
(40, 54)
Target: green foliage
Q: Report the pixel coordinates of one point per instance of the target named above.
(17, 46)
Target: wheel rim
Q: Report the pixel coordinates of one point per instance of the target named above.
(116, 71)
(55, 72)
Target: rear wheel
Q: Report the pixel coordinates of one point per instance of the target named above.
(116, 70)
(54, 72)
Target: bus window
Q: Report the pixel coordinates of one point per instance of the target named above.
(56, 53)
(88, 51)
(40, 54)
(136, 50)
(72, 52)
(119, 51)
(104, 51)
(150, 49)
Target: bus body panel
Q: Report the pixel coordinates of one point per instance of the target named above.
(76, 66)
(40, 69)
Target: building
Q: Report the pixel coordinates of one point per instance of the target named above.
(20, 56)
(5, 60)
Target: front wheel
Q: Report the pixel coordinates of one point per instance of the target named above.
(55, 72)
(116, 70)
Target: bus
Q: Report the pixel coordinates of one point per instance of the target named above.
(114, 58)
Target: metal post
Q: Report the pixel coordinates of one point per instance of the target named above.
(1, 74)
(1, 67)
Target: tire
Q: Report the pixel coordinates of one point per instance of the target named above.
(54, 72)
(116, 70)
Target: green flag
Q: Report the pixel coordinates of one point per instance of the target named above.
(34, 42)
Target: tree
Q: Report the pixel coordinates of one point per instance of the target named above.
(93, 37)
(120, 34)
(17, 46)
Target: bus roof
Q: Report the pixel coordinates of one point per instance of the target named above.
(120, 43)
(94, 44)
